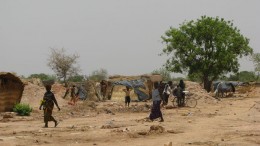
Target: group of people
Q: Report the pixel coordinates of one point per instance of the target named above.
(159, 95)
(169, 89)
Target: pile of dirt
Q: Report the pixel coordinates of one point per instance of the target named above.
(251, 90)
(196, 91)
(121, 78)
(33, 94)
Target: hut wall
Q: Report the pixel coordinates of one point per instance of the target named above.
(11, 90)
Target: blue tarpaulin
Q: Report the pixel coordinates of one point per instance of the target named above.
(140, 94)
(131, 83)
(82, 93)
(135, 84)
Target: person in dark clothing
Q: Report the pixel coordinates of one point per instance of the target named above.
(66, 93)
(103, 88)
(156, 109)
(161, 88)
(182, 86)
(47, 103)
(73, 95)
(178, 93)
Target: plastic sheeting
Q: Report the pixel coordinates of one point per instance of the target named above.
(135, 84)
(132, 83)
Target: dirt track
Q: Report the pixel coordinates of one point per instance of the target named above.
(229, 122)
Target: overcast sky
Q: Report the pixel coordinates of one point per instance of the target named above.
(121, 36)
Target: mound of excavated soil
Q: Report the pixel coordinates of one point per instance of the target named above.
(197, 92)
(33, 94)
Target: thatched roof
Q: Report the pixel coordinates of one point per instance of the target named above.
(11, 88)
(10, 76)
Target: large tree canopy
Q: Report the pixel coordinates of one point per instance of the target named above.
(207, 47)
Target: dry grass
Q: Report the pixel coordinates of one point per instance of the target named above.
(244, 89)
(119, 94)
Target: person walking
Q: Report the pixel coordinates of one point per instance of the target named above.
(156, 109)
(47, 103)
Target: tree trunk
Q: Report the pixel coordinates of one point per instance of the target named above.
(257, 78)
(207, 83)
(65, 79)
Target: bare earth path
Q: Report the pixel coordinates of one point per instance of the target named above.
(228, 122)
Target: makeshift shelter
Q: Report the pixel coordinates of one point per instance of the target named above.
(142, 85)
(136, 85)
(11, 90)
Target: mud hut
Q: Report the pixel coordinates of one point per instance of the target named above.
(11, 90)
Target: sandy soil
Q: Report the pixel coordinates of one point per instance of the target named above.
(232, 121)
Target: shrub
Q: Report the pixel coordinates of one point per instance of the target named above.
(22, 109)
(42, 76)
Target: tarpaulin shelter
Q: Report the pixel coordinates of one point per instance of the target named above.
(135, 85)
(142, 84)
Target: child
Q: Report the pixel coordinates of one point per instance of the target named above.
(127, 96)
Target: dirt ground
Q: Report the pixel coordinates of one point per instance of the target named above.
(230, 121)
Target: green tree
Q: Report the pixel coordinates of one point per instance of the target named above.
(246, 76)
(166, 75)
(98, 75)
(62, 64)
(208, 47)
(194, 77)
(256, 60)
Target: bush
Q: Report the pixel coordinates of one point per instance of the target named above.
(42, 76)
(22, 109)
